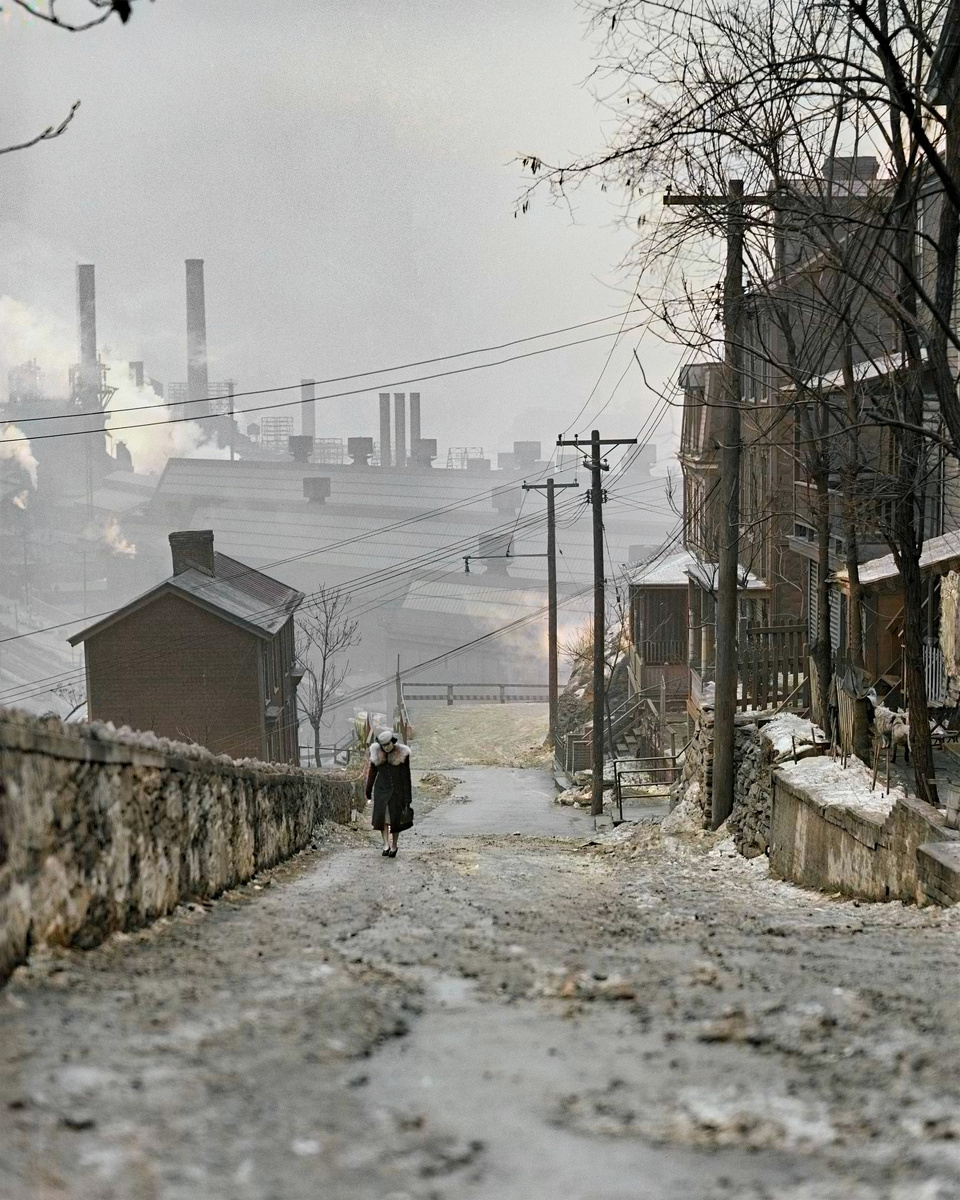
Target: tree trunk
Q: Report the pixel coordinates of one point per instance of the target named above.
(316, 742)
(921, 748)
(822, 650)
(850, 481)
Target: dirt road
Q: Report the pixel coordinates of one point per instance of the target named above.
(501, 1012)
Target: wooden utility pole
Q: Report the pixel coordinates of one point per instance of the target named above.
(597, 466)
(728, 570)
(553, 667)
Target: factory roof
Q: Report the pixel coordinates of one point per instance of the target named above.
(200, 480)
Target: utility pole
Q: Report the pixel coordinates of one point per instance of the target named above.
(554, 683)
(597, 466)
(727, 607)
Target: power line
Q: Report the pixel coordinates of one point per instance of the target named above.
(330, 396)
(288, 387)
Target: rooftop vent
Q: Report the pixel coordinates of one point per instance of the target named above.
(360, 449)
(526, 454)
(316, 489)
(301, 447)
(192, 549)
(506, 500)
(423, 451)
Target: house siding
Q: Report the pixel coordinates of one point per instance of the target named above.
(179, 671)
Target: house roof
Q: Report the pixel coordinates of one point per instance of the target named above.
(671, 571)
(235, 591)
(939, 555)
(705, 574)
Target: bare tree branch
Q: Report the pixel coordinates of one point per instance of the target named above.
(49, 15)
(48, 134)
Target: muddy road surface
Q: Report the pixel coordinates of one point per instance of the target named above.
(503, 1012)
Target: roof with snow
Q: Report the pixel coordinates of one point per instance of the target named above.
(705, 574)
(669, 571)
(247, 597)
(940, 554)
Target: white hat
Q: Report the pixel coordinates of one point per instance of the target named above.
(386, 736)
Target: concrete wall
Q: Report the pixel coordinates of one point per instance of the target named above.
(836, 835)
(103, 830)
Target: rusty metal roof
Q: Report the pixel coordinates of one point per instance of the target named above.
(240, 593)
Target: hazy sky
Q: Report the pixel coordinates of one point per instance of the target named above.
(344, 169)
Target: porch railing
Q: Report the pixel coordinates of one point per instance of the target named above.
(657, 653)
(935, 674)
(773, 664)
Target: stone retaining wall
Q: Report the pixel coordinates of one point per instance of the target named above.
(696, 781)
(102, 830)
(830, 831)
(762, 744)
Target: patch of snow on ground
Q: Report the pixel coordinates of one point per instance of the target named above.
(829, 783)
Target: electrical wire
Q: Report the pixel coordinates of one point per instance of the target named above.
(330, 396)
(287, 387)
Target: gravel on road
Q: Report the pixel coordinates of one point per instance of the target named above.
(512, 1008)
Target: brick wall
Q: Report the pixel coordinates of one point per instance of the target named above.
(180, 672)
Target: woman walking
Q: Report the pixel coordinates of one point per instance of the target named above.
(388, 782)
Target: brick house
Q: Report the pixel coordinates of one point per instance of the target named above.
(206, 656)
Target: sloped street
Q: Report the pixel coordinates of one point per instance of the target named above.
(504, 1011)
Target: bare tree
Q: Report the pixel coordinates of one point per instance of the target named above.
(774, 92)
(324, 631)
(47, 13)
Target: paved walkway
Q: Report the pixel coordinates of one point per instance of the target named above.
(505, 800)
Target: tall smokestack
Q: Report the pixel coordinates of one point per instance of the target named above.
(136, 374)
(385, 457)
(400, 428)
(197, 381)
(308, 407)
(414, 424)
(89, 382)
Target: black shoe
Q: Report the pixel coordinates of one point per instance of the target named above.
(385, 853)
(392, 853)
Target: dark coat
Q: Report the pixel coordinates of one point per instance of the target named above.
(388, 782)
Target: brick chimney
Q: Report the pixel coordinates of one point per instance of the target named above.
(192, 548)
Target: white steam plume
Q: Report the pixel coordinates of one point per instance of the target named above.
(14, 448)
(151, 446)
(28, 333)
(116, 541)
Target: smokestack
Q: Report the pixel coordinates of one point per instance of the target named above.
(197, 382)
(308, 407)
(89, 382)
(414, 423)
(385, 458)
(400, 428)
(136, 374)
(192, 548)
